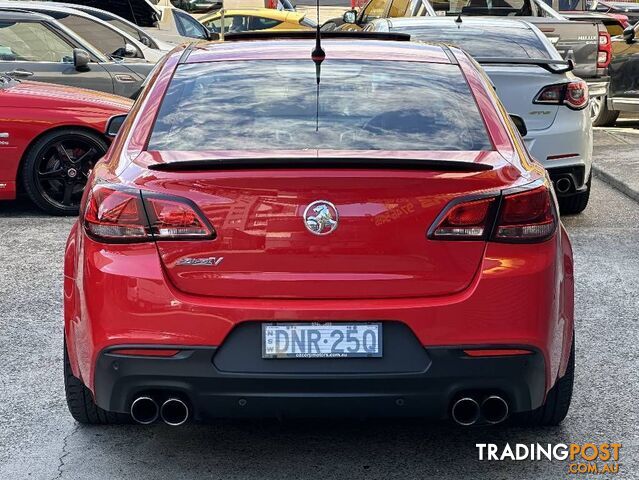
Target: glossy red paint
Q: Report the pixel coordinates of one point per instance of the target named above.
(377, 265)
(30, 109)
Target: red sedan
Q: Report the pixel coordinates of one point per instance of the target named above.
(51, 136)
(360, 233)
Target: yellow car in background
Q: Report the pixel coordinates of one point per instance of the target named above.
(250, 20)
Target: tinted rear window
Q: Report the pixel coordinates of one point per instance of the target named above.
(480, 42)
(362, 105)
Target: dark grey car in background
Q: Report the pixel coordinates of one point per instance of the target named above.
(37, 47)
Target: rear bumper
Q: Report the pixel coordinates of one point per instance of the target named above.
(522, 295)
(566, 145)
(447, 374)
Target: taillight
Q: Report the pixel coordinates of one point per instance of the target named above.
(528, 216)
(119, 214)
(573, 94)
(465, 221)
(604, 50)
(523, 217)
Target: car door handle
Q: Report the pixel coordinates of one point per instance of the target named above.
(123, 78)
(18, 72)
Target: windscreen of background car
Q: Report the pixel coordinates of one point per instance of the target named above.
(363, 105)
(484, 42)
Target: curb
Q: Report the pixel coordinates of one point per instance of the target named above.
(616, 183)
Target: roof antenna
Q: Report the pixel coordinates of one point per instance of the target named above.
(318, 55)
(458, 20)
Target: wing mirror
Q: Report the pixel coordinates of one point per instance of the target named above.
(520, 125)
(629, 34)
(114, 125)
(130, 51)
(350, 16)
(81, 59)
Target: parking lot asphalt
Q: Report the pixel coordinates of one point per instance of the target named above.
(39, 439)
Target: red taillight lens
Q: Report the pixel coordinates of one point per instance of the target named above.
(526, 217)
(175, 219)
(115, 215)
(574, 95)
(119, 214)
(465, 221)
(604, 50)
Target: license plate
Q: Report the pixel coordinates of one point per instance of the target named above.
(321, 340)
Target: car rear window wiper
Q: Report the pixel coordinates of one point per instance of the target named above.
(549, 64)
(314, 162)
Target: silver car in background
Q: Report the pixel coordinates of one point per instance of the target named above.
(534, 84)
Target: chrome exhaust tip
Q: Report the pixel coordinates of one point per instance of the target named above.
(494, 409)
(174, 412)
(563, 185)
(144, 410)
(465, 411)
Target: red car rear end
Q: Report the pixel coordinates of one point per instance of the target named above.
(366, 236)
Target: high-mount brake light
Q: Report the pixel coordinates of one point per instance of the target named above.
(116, 214)
(573, 94)
(528, 216)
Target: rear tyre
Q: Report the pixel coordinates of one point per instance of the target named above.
(577, 203)
(599, 113)
(56, 168)
(558, 400)
(80, 401)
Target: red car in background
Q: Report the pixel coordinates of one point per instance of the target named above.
(360, 232)
(51, 136)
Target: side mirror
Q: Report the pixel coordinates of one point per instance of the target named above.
(114, 125)
(520, 125)
(629, 34)
(214, 35)
(130, 51)
(81, 59)
(350, 16)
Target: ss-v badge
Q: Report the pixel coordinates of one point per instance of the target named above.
(210, 261)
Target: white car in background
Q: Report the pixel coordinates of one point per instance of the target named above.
(122, 24)
(534, 84)
(108, 39)
(163, 21)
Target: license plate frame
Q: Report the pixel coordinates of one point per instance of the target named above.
(365, 349)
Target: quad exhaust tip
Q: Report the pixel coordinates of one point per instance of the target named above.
(563, 185)
(494, 409)
(144, 410)
(174, 412)
(465, 411)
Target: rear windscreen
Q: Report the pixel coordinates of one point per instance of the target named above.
(484, 42)
(359, 105)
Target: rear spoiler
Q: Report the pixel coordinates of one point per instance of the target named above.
(314, 162)
(549, 64)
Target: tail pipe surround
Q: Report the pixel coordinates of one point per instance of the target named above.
(144, 410)
(494, 409)
(174, 412)
(465, 411)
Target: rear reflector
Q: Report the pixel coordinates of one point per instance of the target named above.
(145, 352)
(496, 352)
(119, 214)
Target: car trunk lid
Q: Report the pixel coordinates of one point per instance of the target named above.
(379, 248)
